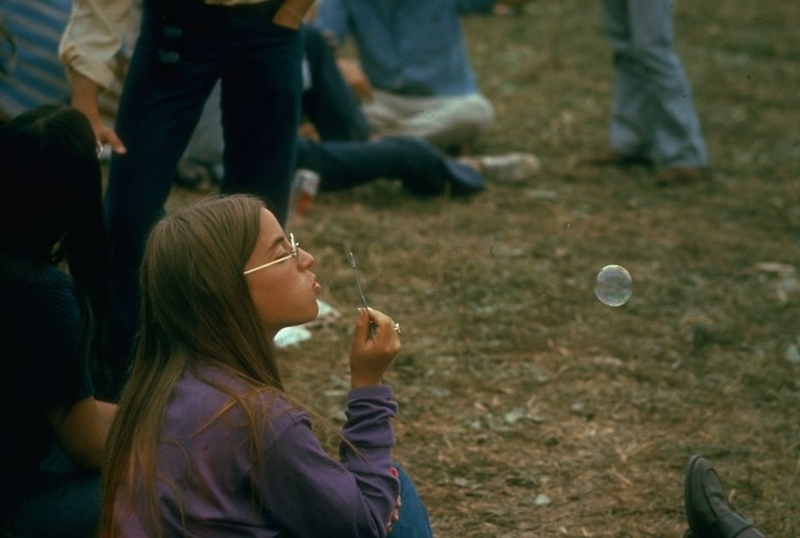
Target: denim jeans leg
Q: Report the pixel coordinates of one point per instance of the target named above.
(422, 168)
(414, 521)
(330, 104)
(261, 92)
(160, 106)
(675, 127)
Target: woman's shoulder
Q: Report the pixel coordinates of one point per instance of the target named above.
(218, 378)
(209, 391)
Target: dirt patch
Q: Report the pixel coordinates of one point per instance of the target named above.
(529, 408)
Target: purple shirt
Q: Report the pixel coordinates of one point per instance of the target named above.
(205, 464)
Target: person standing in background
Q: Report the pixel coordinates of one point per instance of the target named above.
(653, 120)
(183, 48)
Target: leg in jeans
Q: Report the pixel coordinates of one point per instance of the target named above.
(421, 168)
(652, 113)
(330, 103)
(677, 137)
(414, 521)
(261, 91)
(160, 105)
(628, 132)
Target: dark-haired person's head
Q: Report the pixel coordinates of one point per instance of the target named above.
(52, 184)
(51, 209)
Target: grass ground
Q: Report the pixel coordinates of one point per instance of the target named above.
(529, 408)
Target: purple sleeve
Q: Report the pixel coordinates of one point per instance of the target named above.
(311, 494)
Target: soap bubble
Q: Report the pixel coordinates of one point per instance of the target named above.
(614, 285)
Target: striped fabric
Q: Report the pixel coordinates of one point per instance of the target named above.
(32, 74)
(30, 71)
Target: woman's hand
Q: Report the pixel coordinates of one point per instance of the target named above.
(81, 430)
(370, 356)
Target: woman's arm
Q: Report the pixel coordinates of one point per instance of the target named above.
(82, 429)
(309, 493)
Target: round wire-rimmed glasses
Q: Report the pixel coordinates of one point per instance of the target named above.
(295, 253)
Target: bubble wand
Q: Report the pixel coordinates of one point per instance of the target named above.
(360, 290)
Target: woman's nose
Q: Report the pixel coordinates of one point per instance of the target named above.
(306, 259)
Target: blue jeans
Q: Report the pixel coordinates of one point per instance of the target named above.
(184, 48)
(329, 103)
(422, 168)
(413, 522)
(652, 112)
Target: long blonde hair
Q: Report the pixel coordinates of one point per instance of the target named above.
(195, 308)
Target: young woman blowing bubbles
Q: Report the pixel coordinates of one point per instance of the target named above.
(206, 442)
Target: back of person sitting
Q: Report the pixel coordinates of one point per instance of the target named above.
(54, 430)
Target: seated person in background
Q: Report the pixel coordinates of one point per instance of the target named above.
(339, 163)
(334, 143)
(53, 297)
(417, 79)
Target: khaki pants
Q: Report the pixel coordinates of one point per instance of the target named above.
(446, 122)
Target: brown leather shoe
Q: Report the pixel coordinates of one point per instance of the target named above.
(617, 158)
(708, 511)
(682, 175)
